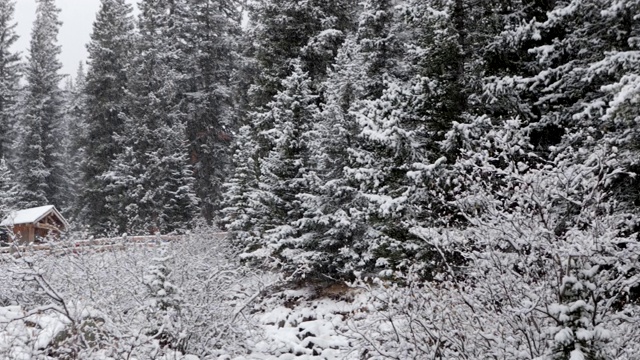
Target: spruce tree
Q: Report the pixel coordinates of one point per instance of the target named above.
(400, 163)
(74, 128)
(285, 31)
(152, 180)
(241, 206)
(287, 174)
(568, 96)
(39, 149)
(209, 33)
(9, 75)
(163, 305)
(577, 335)
(110, 52)
(372, 141)
(378, 35)
(337, 222)
(289, 38)
(562, 89)
(449, 40)
(8, 189)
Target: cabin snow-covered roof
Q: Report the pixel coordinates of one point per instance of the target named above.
(30, 216)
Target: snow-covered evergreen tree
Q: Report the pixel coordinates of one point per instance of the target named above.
(568, 96)
(241, 197)
(110, 52)
(371, 142)
(172, 201)
(563, 89)
(164, 304)
(445, 57)
(334, 206)
(73, 143)
(379, 37)
(9, 75)
(578, 336)
(39, 149)
(209, 33)
(314, 31)
(8, 189)
(287, 173)
(152, 180)
(389, 148)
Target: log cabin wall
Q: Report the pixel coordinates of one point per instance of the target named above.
(25, 233)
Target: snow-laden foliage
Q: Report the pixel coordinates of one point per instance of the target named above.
(207, 33)
(8, 189)
(577, 335)
(151, 183)
(153, 189)
(471, 164)
(551, 262)
(333, 216)
(74, 145)
(164, 303)
(287, 173)
(540, 222)
(40, 173)
(128, 301)
(110, 52)
(314, 32)
(379, 40)
(550, 268)
(9, 75)
(242, 207)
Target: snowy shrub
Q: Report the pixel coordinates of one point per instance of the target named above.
(551, 262)
(129, 300)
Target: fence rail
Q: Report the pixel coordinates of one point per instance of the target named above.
(99, 244)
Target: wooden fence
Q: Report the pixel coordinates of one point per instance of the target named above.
(99, 244)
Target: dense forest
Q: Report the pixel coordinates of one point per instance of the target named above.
(470, 165)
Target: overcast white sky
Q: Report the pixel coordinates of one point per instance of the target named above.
(77, 18)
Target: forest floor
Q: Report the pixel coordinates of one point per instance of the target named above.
(308, 323)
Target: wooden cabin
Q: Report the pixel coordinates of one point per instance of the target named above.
(35, 224)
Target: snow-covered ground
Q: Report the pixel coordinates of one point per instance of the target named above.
(287, 324)
(297, 325)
